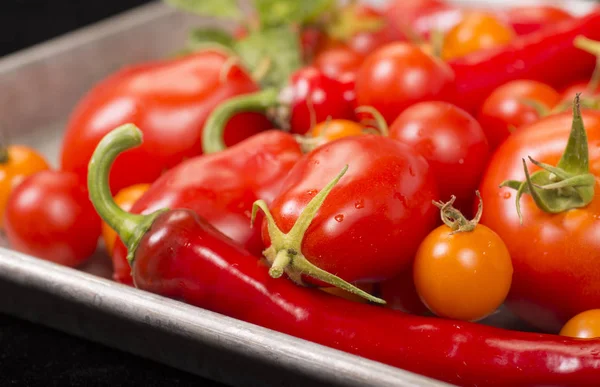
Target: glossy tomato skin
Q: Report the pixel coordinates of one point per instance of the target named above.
(21, 162)
(399, 75)
(569, 92)
(169, 101)
(50, 216)
(463, 275)
(555, 257)
(530, 18)
(338, 60)
(310, 90)
(505, 109)
(586, 325)
(336, 129)
(370, 225)
(452, 142)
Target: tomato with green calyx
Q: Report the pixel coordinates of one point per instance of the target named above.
(462, 269)
(363, 226)
(585, 325)
(547, 210)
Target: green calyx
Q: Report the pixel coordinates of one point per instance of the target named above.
(285, 253)
(130, 227)
(377, 121)
(454, 219)
(567, 185)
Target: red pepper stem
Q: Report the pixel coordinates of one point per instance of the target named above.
(212, 135)
(130, 227)
(285, 253)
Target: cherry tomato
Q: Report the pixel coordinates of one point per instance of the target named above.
(401, 294)
(555, 256)
(451, 141)
(49, 215)
(399, 75)
(333, 129)
(338, 60)
(463, 275)
(412, 15)
(585, 325)
(477, 31)
(509, 107)
(530, 18)
(365, 42)
(16, 163)
(125, 199)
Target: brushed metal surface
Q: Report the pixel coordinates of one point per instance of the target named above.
(38, 89)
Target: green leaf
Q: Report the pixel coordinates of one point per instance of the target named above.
(271, 55)
(223, 9)
(279, 12)
(199, 37)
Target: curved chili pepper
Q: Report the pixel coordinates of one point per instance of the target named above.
(177, 254)
(547, 55)
(171, 99)
(219, 188)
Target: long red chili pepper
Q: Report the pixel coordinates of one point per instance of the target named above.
(219, 188)
(547, 55)
(177, 254)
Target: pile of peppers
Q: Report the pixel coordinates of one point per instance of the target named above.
(378, 181)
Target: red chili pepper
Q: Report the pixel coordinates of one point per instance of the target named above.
(177, 254)
(530, 18)
(548, 56)
(219, 188)
(171, 100)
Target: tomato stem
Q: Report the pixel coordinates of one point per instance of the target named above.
(454, 219)
(212, 135)
(381, 124)
(285, 252)
(129, 227)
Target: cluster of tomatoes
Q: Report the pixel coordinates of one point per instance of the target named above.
(390, 80)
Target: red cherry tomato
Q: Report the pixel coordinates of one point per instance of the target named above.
(338, 60)
(555, 256)
(17, 163)
(365, 42)
(477, 31)
(507, 109)
(313, 97)
(50, 216)
(414, 15)
(453, 143)
(586, 325)
(530, 18)
(399, 75)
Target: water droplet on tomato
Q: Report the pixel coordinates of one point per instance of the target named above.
(400, 197)
(461, 161)
(312, 192)
(359, 204)
(506, 195)
(339, 217)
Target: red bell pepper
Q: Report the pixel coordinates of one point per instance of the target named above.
(171, 100)
(178, 254)
(219, 188)
(547, 55)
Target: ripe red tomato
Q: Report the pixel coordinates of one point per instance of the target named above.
(399, 75)
(370, 225)
(555, 256)
(477, 31)
(338, 60)
(530, 18)
(169, 101)
(16, 163)
(451, 141)
(586, 325)
(463, 275)
(414, 14)
(507, 108)
(50, 216)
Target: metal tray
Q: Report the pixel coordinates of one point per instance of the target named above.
(38, 89)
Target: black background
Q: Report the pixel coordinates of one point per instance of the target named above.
(32, 355)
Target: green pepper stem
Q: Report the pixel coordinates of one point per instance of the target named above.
(129, 227)
(212, 135)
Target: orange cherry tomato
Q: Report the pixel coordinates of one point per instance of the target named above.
(477, 31)
(465, 275)
(125, 198)
(369, 288)
(585, 325)
(334, 129)
(17, 163)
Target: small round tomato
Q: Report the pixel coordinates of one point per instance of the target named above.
(451, 141)
(477, 31)
(49, 215)
(338, 60)
(512, 105)
(16, 163)
(399, 75)
(585, 325)
(462, 269)
(333, 129)
(530, 18)
(125, 199)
